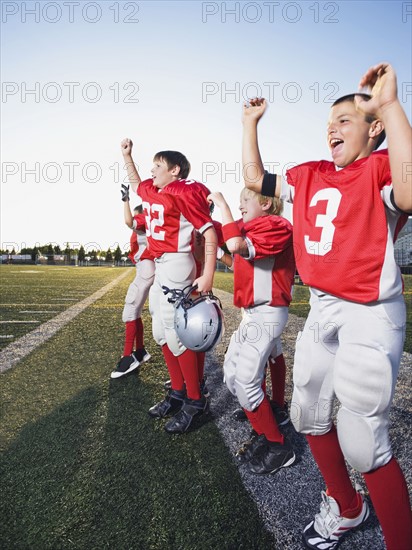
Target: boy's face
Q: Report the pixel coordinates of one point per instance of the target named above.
(348, 134)
(250, 207)
(162, 175)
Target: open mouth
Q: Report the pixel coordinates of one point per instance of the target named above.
(335, 142)
(336, 146)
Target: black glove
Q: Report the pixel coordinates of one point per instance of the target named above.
(125, 192)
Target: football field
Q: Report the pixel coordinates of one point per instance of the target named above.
(84, 466)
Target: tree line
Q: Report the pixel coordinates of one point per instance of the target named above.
(49, 250)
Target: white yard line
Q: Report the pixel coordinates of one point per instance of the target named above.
(41, 311)
(22, 347)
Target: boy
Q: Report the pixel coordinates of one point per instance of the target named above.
(174, 206)
(264, 269)
(347, 215)
(137, 293)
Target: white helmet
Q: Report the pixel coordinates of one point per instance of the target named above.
(199, 321)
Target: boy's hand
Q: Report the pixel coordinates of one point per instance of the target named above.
(381, 81)
(125, 192)
(204, 283)
(253, 110)
(218, 199)
(126, 146)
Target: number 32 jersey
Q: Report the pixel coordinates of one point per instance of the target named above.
(344, 227)
(172, 213)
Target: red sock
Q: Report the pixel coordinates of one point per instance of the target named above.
(278, 377)
(329, 457)
(139, 333)
(389, 494)
(172, 364)
(201, 356)
(263, 421)
(188, 367)
(129, 336)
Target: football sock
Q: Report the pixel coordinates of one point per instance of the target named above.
(188, 367)
(129, 336)
(201, 355)
(389, 494)
(278, 377)
(330, 460)
(139, 334)
(263, 421)
(172, 364)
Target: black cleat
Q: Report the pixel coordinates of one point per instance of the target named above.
(270, 457)
(127, 364)
(192, 409)
(169, 406)
(141, 355)
(239, 414)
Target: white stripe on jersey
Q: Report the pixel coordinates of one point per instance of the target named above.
(390, 283)
(184, 235)
(262, 280)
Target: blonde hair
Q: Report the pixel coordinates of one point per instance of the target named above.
(276, 205)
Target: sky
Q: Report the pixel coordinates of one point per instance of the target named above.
(79, 76)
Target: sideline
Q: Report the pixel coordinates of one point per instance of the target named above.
(16, 351)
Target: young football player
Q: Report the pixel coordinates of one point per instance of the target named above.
(173, 207)
(347, 214)
(137, 293)
(264, 269)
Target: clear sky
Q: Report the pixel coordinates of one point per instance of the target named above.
(79, 76)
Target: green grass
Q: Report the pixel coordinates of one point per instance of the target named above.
(45, 291)
(84, 466)
(300, 302)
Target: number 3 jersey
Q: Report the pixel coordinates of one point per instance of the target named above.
(345, 224)
(172, 213)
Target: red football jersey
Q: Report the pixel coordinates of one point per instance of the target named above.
(138, 242)
(344, 227)
(172, 213)
(266, 276)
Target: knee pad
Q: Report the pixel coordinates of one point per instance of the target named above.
(158, 333)
(173, 342)
(309, 413)
(248, 378)
(364, 440)
(229, 373)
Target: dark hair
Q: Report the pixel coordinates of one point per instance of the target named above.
(369, 118)
(172, 159)
(138, 209)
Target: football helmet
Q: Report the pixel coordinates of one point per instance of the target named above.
(199, 321)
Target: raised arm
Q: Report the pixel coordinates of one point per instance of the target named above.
(205, 281)
(132, 173)
(235, 244)
(128, 216)
(253, 170)
(385, 105)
